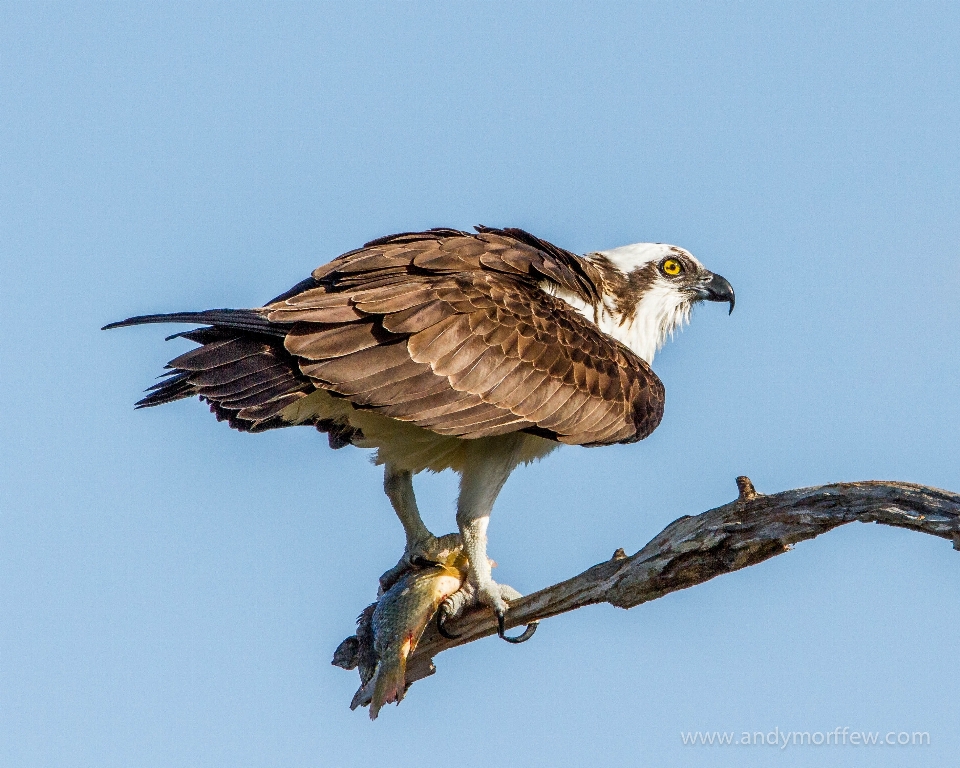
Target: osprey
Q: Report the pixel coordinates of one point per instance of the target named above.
(450, 350)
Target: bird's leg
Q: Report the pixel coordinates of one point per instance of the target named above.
(421, 545)
(484, 474)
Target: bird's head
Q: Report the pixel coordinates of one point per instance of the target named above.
(650, 289)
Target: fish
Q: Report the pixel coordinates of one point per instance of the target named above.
(399, 619)
(389, 630)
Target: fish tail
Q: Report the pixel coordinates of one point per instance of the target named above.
(390, 685)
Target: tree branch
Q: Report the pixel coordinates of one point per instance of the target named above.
(692, 550)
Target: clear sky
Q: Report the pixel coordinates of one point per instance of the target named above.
(171, 591)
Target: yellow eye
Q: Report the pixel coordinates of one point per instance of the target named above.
(671, 267)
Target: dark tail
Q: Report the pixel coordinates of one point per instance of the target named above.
(248, 320)
(240, 368)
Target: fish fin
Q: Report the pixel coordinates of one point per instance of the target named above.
(363, 695)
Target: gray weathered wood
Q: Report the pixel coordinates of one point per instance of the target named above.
(692, 550)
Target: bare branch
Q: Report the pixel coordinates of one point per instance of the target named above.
(692, 550)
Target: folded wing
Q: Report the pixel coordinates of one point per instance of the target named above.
(453, 332)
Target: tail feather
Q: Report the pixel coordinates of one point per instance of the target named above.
(177, 387)
(249, 320)
(218, 353)
(200, 335)
(241, 369)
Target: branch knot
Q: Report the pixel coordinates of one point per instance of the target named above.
(747, 491)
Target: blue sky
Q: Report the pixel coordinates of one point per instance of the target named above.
(171, 591)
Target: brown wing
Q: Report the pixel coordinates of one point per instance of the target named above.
(247, 379)
(452, 332)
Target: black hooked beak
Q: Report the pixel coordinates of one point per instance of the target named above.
(717, 288)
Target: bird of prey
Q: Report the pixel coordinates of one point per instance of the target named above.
(443, 349)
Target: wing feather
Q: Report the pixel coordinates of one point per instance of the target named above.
(386, 301)
(543, 413)
(372, 384)
(429, 345)
(479, 412)
(218, 353)
(462, 358)
(453, 332)
(407, 390)
(419, 342)
(224, 374)
(491, 429)
(514, 388)
(567, 414)
(430, 406)
(262, 395)
(338, 313)
(321, 342)
(492, 365)
(418, 318)
(365, 362)
(267, 375)
(538, 396)
(260, 413)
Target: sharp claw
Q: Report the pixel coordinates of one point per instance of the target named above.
(522, 638)
(526, 634)
(441, 617)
